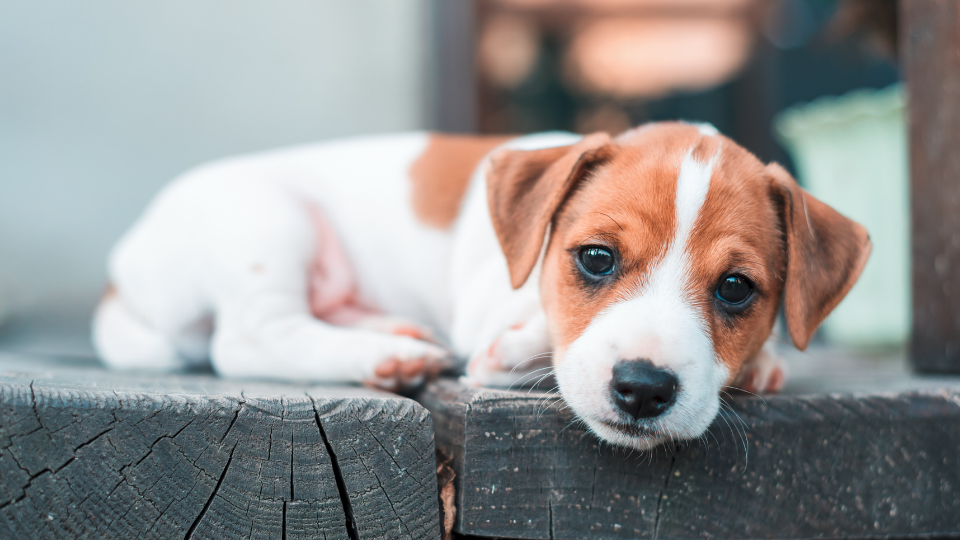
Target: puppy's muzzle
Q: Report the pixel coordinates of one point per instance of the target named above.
(642, 390)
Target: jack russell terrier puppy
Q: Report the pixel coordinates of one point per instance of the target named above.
(651, 265)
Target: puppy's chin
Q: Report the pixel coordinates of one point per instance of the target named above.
(625, 436)
(687, 420)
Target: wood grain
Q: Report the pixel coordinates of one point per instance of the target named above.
(931, 59)
(86, 453)
(833, 465)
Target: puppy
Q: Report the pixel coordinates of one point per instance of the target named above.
(648, 269)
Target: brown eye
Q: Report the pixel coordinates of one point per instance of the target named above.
(734, 289)
(596, 260)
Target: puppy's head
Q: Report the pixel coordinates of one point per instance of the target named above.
(668, 253)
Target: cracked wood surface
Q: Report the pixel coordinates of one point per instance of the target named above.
(849, 465)
(86, 453)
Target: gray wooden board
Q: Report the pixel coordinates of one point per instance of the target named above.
(86, 453)
(849, 464)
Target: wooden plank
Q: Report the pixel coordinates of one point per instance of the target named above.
(931, 59)
(86, 453)
(852, 465)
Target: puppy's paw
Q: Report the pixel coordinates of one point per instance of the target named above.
(408, 365)
(764, 373)
(397, 326)
(519, 357)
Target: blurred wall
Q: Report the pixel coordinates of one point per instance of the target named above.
(103, 101)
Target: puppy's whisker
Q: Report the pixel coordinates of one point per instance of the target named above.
(546, 401)
(540, 380)
(550, 394)
(543, 411)
(571, 423)
(710, 431)
(742, 433)
(542, 376)
(729, 427)
(535, 356)
(532, 358)
(744, 424)
(745, 392)
(536, 370)
(527, 377)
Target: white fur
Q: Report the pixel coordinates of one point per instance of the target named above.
(484, 303)
(218, 266)
(706, 129)
(233, 240)
(657, 322)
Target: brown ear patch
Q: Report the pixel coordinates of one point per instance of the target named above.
(441, 174)
(825, 254)
(524, 190)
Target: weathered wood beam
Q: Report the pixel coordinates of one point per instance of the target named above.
(790, 467)
(931, 59)
(86, 453)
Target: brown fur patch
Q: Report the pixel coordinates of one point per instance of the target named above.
(441, 174)
(526, 187)
(826, 253)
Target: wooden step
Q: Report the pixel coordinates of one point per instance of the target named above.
(853, 464)
(87, 453)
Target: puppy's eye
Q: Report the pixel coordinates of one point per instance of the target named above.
(734, 289)
(596, 260)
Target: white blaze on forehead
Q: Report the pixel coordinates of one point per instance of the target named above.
(665, 327)
(693, 184)
(657, 322)
(669, 278)
(706, 129)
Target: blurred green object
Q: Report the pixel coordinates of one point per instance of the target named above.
(851, 153)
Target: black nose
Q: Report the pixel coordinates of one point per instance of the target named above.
(641, 389)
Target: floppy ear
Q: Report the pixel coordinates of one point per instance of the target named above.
(524, 190)
(825, 254)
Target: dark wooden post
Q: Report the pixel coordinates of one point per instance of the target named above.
(931, 56)
(455, 88)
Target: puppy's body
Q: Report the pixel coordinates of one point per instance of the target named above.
(323, 231)
(347, 261)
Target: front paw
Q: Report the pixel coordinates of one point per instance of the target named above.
(519, 357)
(409, 366)
(764, 373)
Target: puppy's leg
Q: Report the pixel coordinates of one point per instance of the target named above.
(521, 356)
(125, 340)
(269, 337)
(354, 315)
(765, 372)
(265, 309)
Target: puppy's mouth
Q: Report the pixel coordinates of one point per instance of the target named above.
(629, 430)
(624, 434)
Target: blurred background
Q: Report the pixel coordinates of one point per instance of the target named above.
(104, 101)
